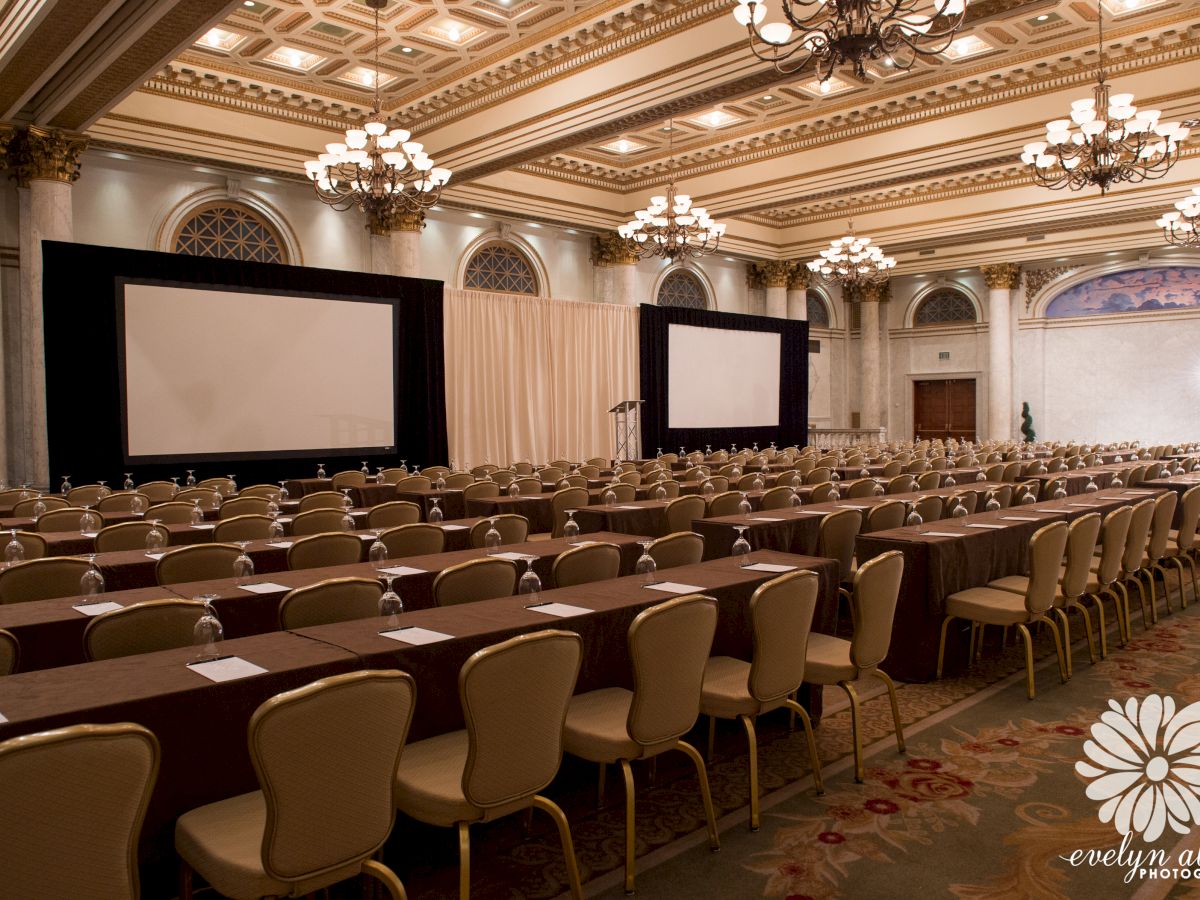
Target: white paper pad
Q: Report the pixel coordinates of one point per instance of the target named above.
(1020, 519)
(582, 543)
(207, 526)
(674, 587)
(1139, 492)
(402, 570)
(562, 610)
(228, 669)
(156, 555)
(90, 534)
(454, 527)
(264, 587)
(415, 635)
(942, 533)
(1084, 505)
(282, 519)
(766, 519)
(514, 557)
(984, 525)
(367, 537)
(282, 545)
(855, 506)
(810, 512)
(95, 609)
(624, 507)
(769, 567)
(3, 717)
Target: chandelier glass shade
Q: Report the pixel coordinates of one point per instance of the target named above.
(852, 261)
(1181, 226)
(1106, 140)
(831, 33)
(377, 168)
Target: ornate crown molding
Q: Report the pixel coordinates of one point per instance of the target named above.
(1036, 279)
(799, 277)
(6, 135)
(771, 273)
(384, 222)
(867, 293)
(1002, 276)
(45, 154)
(610, 249)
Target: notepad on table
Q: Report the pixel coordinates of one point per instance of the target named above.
(206, 526)
(96, 609)
(766, 519)
(414, 635)
(227, 668)
(561, 610)
(941, 533)
(282, 545)
(264, 587)
(983, 525)
(156, 556)
(454, 528)
(402, 570)
(509, 555)
(769, 567)
(1020, 518)
(673, 587)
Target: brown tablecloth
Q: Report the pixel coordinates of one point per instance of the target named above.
(368, 495)
(451, 503)
(537, 508)
(639, 517)
(1076, 479)
(298, 487)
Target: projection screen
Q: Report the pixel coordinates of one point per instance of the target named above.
(211, 373)
(719, 378)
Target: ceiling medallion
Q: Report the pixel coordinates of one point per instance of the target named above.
(852, 261)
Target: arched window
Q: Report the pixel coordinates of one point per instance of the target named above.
(818, 309)
(501, 268)
(229, 230)
(682, 288)
(945, 306)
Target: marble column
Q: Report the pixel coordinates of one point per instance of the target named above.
(614, 270)
(775, 275)
(396, 243)
(1002, 279)
(797, 292)
(869, 298)
(46, 164)
(625, 283)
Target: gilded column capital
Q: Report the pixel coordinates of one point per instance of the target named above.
(45, 154)
(6, 135)
(610, 249)
(798, 276)
(1005, 276)
(876, 293)
(388, 221)
(771, 273)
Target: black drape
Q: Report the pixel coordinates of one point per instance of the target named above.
(654, 322)
(83, 378)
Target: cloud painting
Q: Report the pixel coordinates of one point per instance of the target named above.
(1137, 290)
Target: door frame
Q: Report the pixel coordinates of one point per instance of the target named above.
(911, 386)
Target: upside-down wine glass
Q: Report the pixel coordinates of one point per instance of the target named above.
(190, 481)
(92, 581)
(992, 503)
(913, 517)
(66, 485)
(243, 566)
(646, 567)
(39, 507)
(197, 514)
(1091, 487)
(492, 539)
(89, 522)
(366, 470)
(741, 547)
(128, 485)
(14, 551)
(156, 538)
(377, 553)
(347, 503)
(207, 631)
(390, 604)
(744, 507)
(959, 510)
(571, 527)
(530, 583)
(435, 512)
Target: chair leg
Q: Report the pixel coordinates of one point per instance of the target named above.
(891, 689)
(464, 861)
(814, 760)
(568, 846)
(855, 725)
(630, 836)
(714, 841)
(1058, 649)
(1030, 689)
(384, 875)
(600, 786)
(1087, 627)
(752, 743)
(712, 737)
(1101, 626)
(1065, 625)
(942, 645)
(971, 638)
(185, 881)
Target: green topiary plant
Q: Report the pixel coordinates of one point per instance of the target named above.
(1027, 424)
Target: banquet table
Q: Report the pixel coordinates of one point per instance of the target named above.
(450, 501)
(299, 487)
(1180, 484)
(1076, 479)
(371, 494)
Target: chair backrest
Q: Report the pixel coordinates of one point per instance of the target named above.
(87, 494)
(48, 501)
(720, 483)
(929, 481)
(1046, 549)
(172, 513)
(521, 468)
(669, 486)
(681, 548)
(781, 613)
(567, 498)
(529, 486)
(198, 562)
(10, 652)
(746, 482)
(598, 462)
(589, 470)
(34, 545)
(332, 600)
(323, 500)
(817, 474)
(125, 501)
(513, 529)
(591, 562)
(1160, 526)
(725, 504)
(82, 786)
(930, 509)
(142, 628)
(966, 499)
(1003, 495)
(1136, 476)
(329, 793)
(41, 579)
(669, 645)
(776, 498)
(892, 469)
(1114, 532)
(1139, 534)
(881, 516)
(876, 590)
(864, 487)
(550, 474)
(481, 490)
(319, 521)
(243, 528)
(417, 539)
(124, 536)
(221, 485)
(159, 491)
(1188, 519)
(349, 478)
(573, 481)
(835, 540)
(64, 519)
(434, 472)
(476, 579)
(391, 476)
(623, 492)
(939, 464)
(209, 499)
(266, 491)
(1056, 465)
(456, 481)
(917, 466)
(632, 478)
(243, 506)
(319, 550)
(1081, 545)
(393, 513)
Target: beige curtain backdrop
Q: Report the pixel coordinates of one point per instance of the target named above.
(533, 379)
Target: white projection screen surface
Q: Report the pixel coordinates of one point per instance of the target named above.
(219, 373)
(722, 379)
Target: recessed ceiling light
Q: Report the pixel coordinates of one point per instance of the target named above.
(1043, 17)
(826, 87)
(247, 2)
(768, 97)
(406, 49)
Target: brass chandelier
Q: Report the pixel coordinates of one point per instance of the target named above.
(1181, 226)
(852, 261)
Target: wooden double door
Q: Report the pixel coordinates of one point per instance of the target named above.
(944, 408)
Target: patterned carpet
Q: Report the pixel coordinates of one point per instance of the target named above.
(982, 805)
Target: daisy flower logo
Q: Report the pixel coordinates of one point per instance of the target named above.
(1144, 765)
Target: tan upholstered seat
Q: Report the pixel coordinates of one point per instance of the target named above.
(332, 600)
(28, 507)
(159, 491)
(591, 562)
(1136, 538)
(668, 646)
(567, 498)
(266, 491)
(125, 501)
(456, 481)
(929, 481)
(1183, 541)
(863, 487)
(818, 474)
(173, 513)
(349, 478)
(1156, 551)
(776, 498)
(243, 506)
(142, 628)
(882, 516)
(66, 518)
(327, 801)
(669, 488)
(683, 548)
(524, 467)
(835, 539)
(633, 479)
(514, 696)
(323, 500)
(481, 490)
(725, 504)
(125, 536)
(393, 513)
(417, 539)
(682, 511)
(87, 494)
(319, 550)
(209, 499)
(34, 545)
(529, 487)
(10, 652)
(86, 786)
(434, 472)
(513, 529)
(198, 562)
(320, 521)
(821, 493)
(243, 528)
(474, 580)
(781, 612)
(223, 486)
(414, 483)
(41, 579)
(832, 660)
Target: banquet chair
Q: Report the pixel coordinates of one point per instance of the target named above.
(781, 612)
(598, 461)
(994, 472)
(529, 487)
(208, 499)
(746, 482)
(171, 513)
(939, 463)
(581, 565)
(1157, 548)
(1105, 572)
(720, 483)
(123, 501)
(159, 491)
(474, 580)
(319, 521)
(223, 486)
(414, 483)
(572, 481)
(327, 799)
(514, 697)
(966, 499)
(481, 490)
(323, 500)
(776, 498)
(804, 465)
(41, 579)
(669, 486)
(992, 605)
(725, 504)
(1012, 471)
(48, 501)
(1131, 559)
(320, 550)
(243, 528)
(835, 540)
(392, 475)
(1153, 471)
(1002, 494)
(682, 511)
(414, 539)
(244, 506)
(623, 492)
(631, 478)
(1051, 486)
(125, 536)
(901, 484)
(893, 468)
(917, 467)
(521, 468)
(84, 786)
(561, 501)
(931, 508)
(266, 491)
(864, 487)
(513, 529)
(350, 478)
(1056, 465)
(87, 494)
(831, 660)
(821, 493)
(34, 545)
(435, 472)
(696, 473)
(392, 513)
(329, 601)
(587, 470)
(456, 481)
(1136, 476)
(197, 562)
(885, 515)
(1184, 540)
(10, 652)
(682, 548)
(549, 474)
(929, 481)
(818, 475)
(142, 628)
(829, 460)
(63, 519)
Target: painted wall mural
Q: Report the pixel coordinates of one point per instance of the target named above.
(1135, 290)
